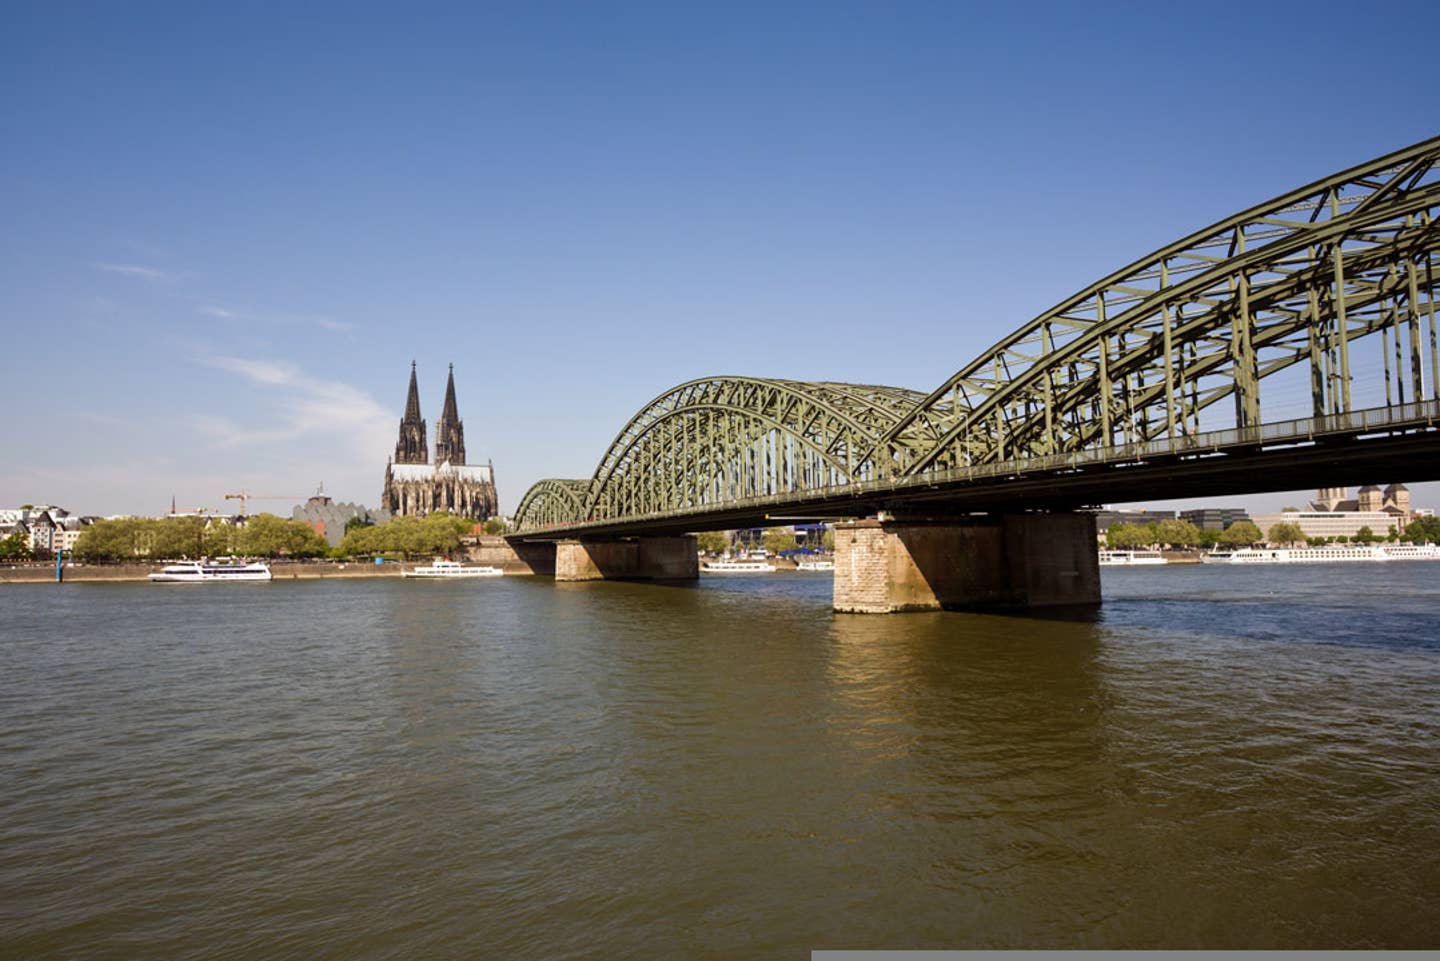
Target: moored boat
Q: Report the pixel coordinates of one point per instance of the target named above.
(446, 569)
(815, 565)
(205, 571)
(1412, 552)
(1131, 558)
(726, 566)
(1297, 555)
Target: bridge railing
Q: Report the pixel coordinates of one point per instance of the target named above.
(1300, 430)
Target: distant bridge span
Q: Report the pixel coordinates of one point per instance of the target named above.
(1114, 394)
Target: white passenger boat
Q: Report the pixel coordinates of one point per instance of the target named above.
(204, 572)
(444, 568)
(1131, 558)
(818, 565)
(726, 566)
(1329, 554)
(1412, 552)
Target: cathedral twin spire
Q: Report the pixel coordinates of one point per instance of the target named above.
(449, 429)
(411, 448)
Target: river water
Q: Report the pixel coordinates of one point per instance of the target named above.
(520, 769)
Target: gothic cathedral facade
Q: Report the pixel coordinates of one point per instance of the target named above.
(414, 487)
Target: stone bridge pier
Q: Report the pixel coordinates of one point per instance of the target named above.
(995, 561)
(635, 558)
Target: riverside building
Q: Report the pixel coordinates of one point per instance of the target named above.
(1214, 518)
(1105, 519)
(1333, 514)
(46, 528)
(328, 518)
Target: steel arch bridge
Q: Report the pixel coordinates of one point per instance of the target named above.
(1163, 357)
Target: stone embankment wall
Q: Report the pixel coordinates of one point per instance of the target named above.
(42, 573)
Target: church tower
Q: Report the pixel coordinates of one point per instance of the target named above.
(411, 448)
(1398, 496)
(450, 429)
(1370, 498)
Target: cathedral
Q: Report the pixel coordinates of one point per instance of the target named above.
(414, 487)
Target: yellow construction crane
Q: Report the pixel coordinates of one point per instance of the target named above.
(244, 497)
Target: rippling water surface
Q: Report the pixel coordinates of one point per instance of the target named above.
(520, 769)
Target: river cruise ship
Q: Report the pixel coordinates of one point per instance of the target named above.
(206, 572)
(1412, 552)
(728, 566)
(451, 569)
(1358, 553)
(1131, 558)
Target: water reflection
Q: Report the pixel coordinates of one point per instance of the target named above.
(528, 770)
(979, 737)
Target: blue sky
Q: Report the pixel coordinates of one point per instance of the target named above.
(228, 229)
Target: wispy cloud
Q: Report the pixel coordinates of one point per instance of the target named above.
(260, 371)
(288, 319)
(318, 320)
(134, 270)
(224, 313)
(306, 406)
(323, 321)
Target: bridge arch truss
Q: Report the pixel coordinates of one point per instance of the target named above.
(552, 502)
(1177, 342)
(719, 439)
(1142, 353)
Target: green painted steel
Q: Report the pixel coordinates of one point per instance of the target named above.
(1140, 354)
(1314, 278)
(552, 503)
(718, 439)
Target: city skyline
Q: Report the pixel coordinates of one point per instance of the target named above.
(227, 234)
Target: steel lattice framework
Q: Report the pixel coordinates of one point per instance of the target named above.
(718, 439)
(1135, 357)
(550, 503)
